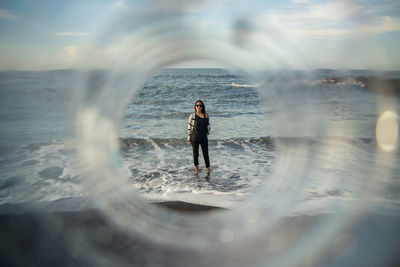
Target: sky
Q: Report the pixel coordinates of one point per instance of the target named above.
(338, 34)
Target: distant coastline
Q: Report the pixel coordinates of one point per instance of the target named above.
(376, 84)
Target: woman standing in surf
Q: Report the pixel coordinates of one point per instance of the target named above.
(198, 129)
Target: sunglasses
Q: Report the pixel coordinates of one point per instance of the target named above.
(199, 105)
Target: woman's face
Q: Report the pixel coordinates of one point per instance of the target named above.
(199, 107)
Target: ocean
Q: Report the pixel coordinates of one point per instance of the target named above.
(325, 133)
(304, 169)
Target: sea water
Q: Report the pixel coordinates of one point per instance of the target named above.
(247, 141)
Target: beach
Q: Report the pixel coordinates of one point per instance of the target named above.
(329, 192)
(87, 238)
(301, 163)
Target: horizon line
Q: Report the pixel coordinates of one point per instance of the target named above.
(217, 68)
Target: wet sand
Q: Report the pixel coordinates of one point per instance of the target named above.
(87, 238)
(186, 206)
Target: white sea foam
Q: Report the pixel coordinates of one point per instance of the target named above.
(246, 85)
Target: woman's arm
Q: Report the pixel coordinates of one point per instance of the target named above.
(190, 127)
(208, 123)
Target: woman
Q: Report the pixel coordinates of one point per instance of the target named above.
(198, 129)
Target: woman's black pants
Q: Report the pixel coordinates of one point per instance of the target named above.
(204, 149)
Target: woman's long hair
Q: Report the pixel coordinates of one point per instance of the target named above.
(203, 108)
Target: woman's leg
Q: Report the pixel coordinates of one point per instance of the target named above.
(204, 148)
(195, 147)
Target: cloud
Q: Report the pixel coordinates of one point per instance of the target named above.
(343, 19)
(88, 56)
(5, 14)
(322, 32)
(382, 25)
(327, 12)
(301, 1)
(74, 34)
(121, 4)
(376, 26)
(71, 52)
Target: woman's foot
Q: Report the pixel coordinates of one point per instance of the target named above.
(208, 171)
(196, 170)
